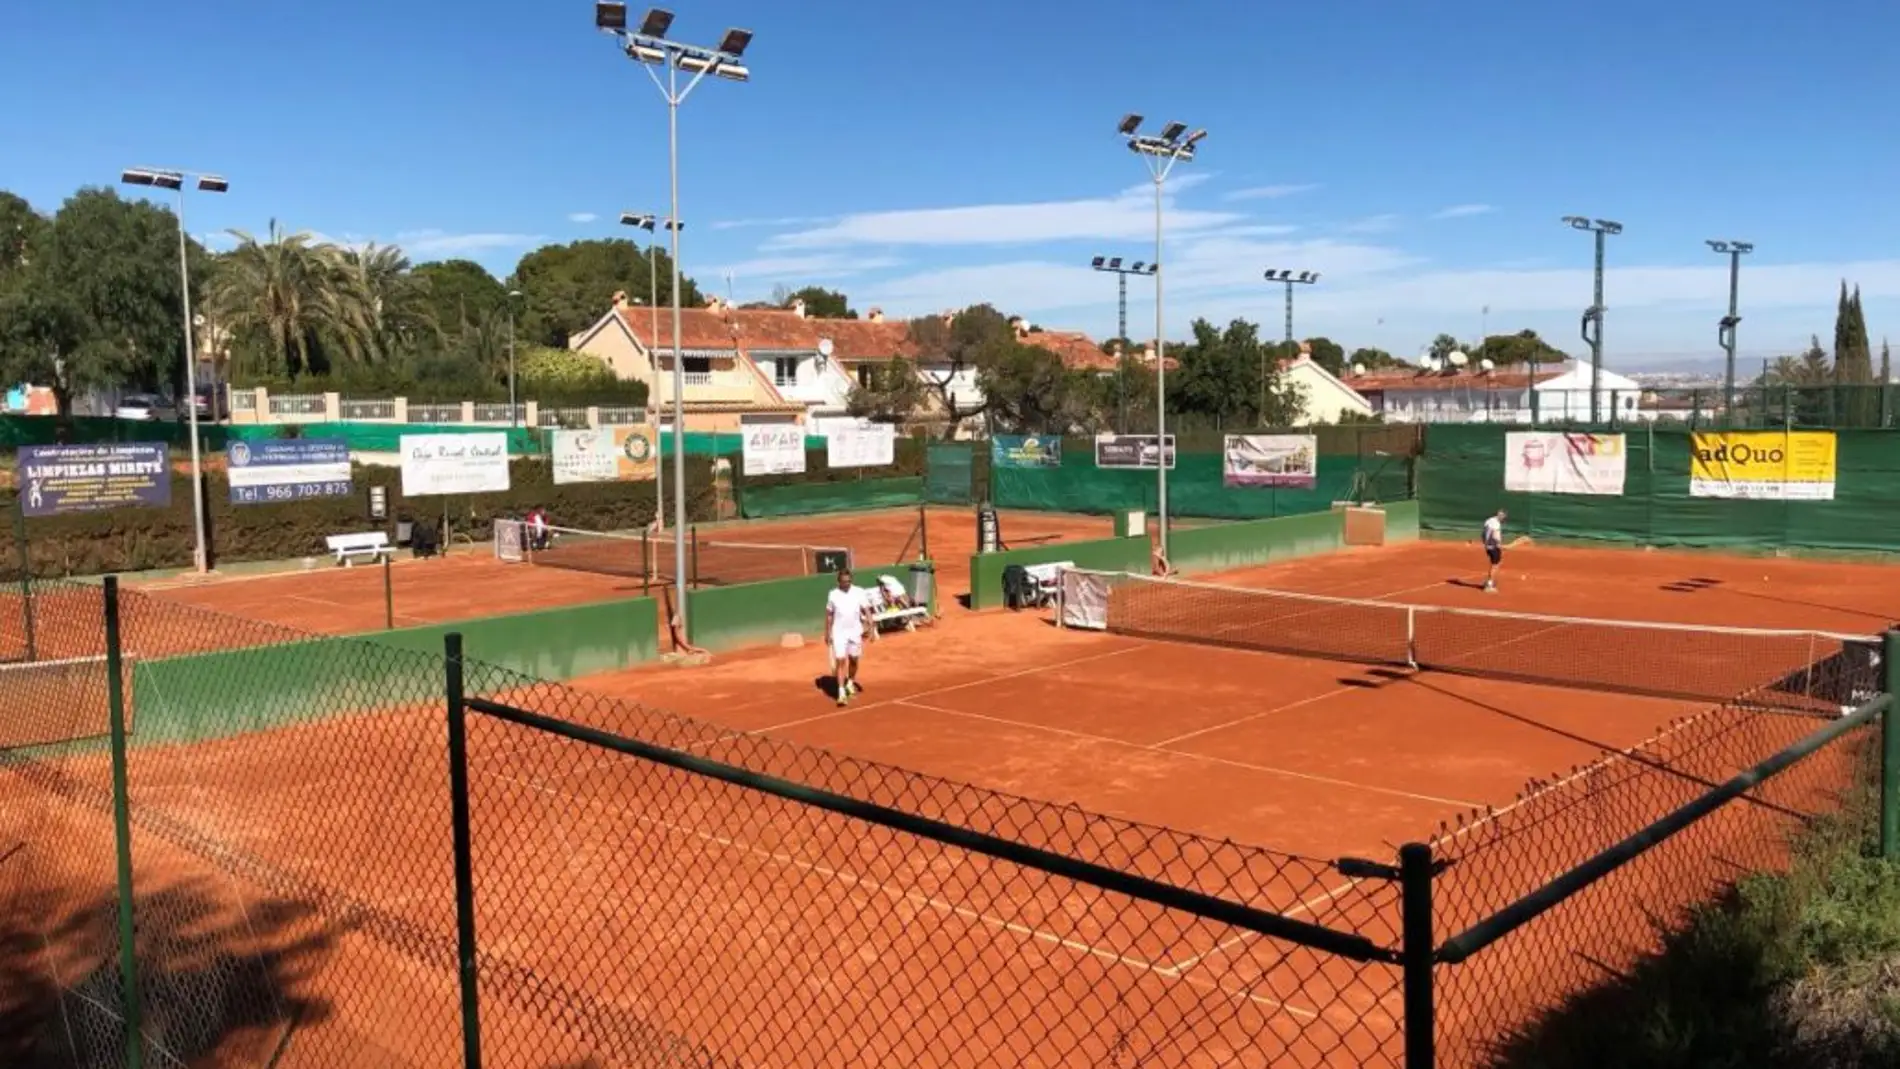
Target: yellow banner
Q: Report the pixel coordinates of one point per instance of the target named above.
(1763, 465)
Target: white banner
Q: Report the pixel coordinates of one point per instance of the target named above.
(1270, 460)
(870, 446)
(1552, 462)
(774, 448)
(1084, 600)
(454, 463)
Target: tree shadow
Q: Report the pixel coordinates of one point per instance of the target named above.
(220, 985)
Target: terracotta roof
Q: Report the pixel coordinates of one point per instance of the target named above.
(1077, 350)
(1416, 379)
(862, 339)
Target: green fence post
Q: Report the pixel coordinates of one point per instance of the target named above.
(467, 969)
(132, 997)
(1416, 954)
(1890, 750)
(26, 575)
(389, 595)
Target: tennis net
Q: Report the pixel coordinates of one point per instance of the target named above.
(653, 558)
(53, 701)
(1808, 671)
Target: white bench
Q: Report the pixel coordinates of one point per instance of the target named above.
(885, 612)
(1048, 578)
(372, 545)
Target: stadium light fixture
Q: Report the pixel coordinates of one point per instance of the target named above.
(1725, 327)
(1592, 324)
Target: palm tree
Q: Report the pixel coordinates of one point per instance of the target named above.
(273, 292)
(373, 306)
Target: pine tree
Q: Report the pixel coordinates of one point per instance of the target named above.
(1853, 357)
(1886, 363)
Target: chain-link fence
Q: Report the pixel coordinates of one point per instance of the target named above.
(290, 855)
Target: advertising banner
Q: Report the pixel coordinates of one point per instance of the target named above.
(271, 470)
(871, 445)
(454, 463)
(776, 448)
(604, 454)
(1552, 462)
(1132, 451)
(1025, 451)
(1270, 460)
(1763, 465)
(57, 479)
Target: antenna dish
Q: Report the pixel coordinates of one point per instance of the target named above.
(825, 346)
(1457, 358)
(1487, 364)
(1358, 369)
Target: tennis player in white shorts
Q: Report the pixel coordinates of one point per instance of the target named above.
(847, 611)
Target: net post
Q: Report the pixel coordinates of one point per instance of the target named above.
(923, 531)
(131, 998)
(26, 575)
(466, 968)
(1890, 749)
(1416, 953)
(1411, 636)
(389, 594)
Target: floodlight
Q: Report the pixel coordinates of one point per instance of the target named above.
(1718, 246)
(1744, 246)
(735, 42)
(1306, 276)
(1115, 263)
(145, 176)
(644, 222)
(1577, 221)
(1173, 131)
(658, 21)
(1272, 275)
(1129, 124)
(136, 178)
(645, 53)
(1136, 266)
(1609, 227)
(1316, 276)
(211, 183)
(1096, 263)
(672, 224)
(1194, 138)
(732, 72)
(610, 16)
(692, 63)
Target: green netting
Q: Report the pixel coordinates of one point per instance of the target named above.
(948, 476)
(1461, 481)
(16, 431)
(386, 437)
(856, 495)
(1195, 487)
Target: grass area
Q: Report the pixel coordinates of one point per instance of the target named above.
(1798, 970)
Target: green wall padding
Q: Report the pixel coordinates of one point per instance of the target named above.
(16, 431)
(1104, 554)
(1221, 546)
(1461, 481)
(1401, 522)
(1195, 487)
(387, 437)
(751, 614)
(232, 692)
(857, 495)
(949, 473)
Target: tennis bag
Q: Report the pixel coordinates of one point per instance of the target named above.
(1018, 591)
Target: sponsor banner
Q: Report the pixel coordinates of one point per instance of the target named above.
(870, 446)
(1270, 460)
(1552, 462)
(1763, 465)
(454, 463)
(1131, 451)
(57, 479)
(1025, 451)
(604, 454)
(773, 448)
(272, 470)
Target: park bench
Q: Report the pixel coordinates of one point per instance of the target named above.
(371, 545)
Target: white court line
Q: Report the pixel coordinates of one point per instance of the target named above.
(851, 879)
(346, 608)
(1305, 906)
(1255, 716)
(1289, 773)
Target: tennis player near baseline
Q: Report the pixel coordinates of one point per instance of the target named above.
(1493, 549)
(847, 611)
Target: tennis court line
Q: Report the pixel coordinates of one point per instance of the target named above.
(1305, 906)
(346, 608)
(1156, 748)
(1255, 716)
(977, 916)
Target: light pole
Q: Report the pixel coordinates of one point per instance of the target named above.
(1291, 279)
(1114, 266)
(649, 223)
(1593, 316)
(514, 416)
(1725, 328)
(206, 183)
(652, 48)
(1160, 152)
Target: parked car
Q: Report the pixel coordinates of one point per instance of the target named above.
(145, 406)
(212, 405)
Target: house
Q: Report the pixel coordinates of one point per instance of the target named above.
(1325, 399)
(1460, 394)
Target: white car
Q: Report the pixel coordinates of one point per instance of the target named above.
(145, 406)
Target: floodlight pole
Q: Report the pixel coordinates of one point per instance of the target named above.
(514, 420)
(1725, 328)
(672, 54)
(1592, 328)
(1121, 318)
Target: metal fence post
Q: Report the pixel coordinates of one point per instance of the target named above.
(1890, 750)
(923, 531)
(469, 974)
(26, 575)
(389, 594)
(1416, 954)
(692, 565)
(130, 992)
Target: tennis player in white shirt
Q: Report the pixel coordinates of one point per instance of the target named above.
(1493, 549)
(847, 614)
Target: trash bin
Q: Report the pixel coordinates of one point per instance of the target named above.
(923, 584)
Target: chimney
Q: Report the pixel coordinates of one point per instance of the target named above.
(713, 303)
(875, 315)
(798, 307)
(620, 299)
(1017, 324)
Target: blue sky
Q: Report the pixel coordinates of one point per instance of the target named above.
(926, 156)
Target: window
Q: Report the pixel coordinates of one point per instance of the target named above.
(867, 376)
(784, 371)
(697, 370)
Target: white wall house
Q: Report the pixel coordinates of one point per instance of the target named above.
(809, 377)
(1477, 395)
(1324, 397)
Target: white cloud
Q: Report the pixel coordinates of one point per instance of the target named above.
(1463, 211)
(1269, 192)
(800, 268)
(789, 220)
(582, 217)
(1372, 224)
(1129, 214)
(440, 243)
(1258, 230)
